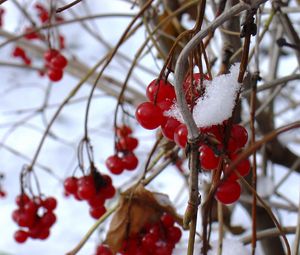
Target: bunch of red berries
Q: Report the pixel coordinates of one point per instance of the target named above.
(229, 190)
(19, 52)
(159, 238)
(161, 95)
(94, 188)
(55, 62)
(125, 157)
(35, 216)
(43, 14)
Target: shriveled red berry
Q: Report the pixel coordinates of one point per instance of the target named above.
(20, 236)
(130, 161)
(115, 164)
(159, 90)
(149, 241)
(149, 115)
(208, 159)
(180, 135)
(55, 74)
(44, 233)
(228, 192)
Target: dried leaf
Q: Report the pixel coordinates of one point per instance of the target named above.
(137, 207)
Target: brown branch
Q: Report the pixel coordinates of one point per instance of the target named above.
(67, 6)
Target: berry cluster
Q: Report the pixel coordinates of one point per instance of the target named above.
(94, 188)
(161, 95)
(44, 15)
(35, 216)
(19, 52)
(229, 191)
(125, 157)
(159, 238)
(55, 62)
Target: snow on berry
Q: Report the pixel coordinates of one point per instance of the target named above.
(217, 103)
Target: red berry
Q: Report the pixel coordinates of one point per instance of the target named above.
(50, 203)
(21, 200)
(128, 143)
(2, 193)
(48, 219)
(50, 54)
(124, 131)
(20, 236)
(86, 189)
(97, 212)
(169, 127)
(19, 52)
(180, 135)
(97, 200)
(228, 192)
(130, 161)
(70, 185)
(31, 207)
(174, 234)
(239, 134)
(208, 159)
(115, 164)
(158, 91)
(167, 220)
(149, 115)
(58, 62)
(243, 167)
(108, 191)
(103, 250)
(44, 233)
(55, 74)
(149, 241)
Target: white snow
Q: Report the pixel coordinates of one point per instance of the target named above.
(229, 247)
(218, 101)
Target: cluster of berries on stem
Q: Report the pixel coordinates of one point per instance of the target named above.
(55, 62)
(158, 238)
(35, 216)
(94, 188)
(124, 158)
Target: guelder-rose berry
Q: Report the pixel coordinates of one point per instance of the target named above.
(55, 74)
(159, 90)
(180, 135)
(149, 115)
(130, 161)
(20, 236)
(208, 159)
(228, 192)
(169, 127)
(115, 164)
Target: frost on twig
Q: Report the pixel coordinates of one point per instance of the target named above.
(218, 101)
